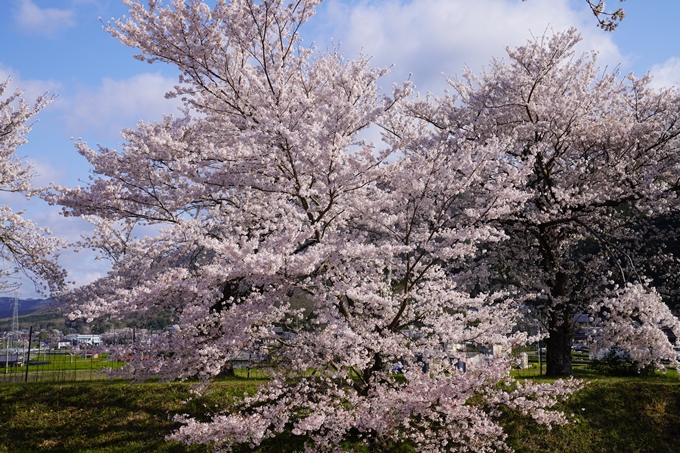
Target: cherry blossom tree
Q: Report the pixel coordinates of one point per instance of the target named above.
(24, 247)
(635, 319)
(602, 153)
(263, 196)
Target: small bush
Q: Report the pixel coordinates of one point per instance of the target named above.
(617, 362)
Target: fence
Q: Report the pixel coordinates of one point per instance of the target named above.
(536, 365)
(254, 372)
(55, 366)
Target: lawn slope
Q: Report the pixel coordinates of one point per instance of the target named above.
(608, 415)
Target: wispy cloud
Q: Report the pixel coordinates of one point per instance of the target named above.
(426, 38)
(116, 104)
(31, 88)
(666, 74)
(32, 19)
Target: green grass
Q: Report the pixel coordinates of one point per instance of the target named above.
(103, 416)
(66, 367)
(639, 415)
(62, 366)
(608, 415)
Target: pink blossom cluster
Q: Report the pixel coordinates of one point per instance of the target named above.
(636, 320)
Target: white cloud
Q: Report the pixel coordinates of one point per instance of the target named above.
(31, 88)
(117, 104)
(666, 74)
(32, 19)
(431, 37)
(17, 201)
(45, 174)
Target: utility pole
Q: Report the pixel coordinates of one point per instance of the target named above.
(28, 355)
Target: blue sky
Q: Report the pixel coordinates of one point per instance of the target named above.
(59, 46)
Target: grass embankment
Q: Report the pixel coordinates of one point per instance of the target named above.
(608, 415)
(102, 416)
(622, 415)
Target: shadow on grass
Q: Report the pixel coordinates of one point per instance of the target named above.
(619, 415)
(103, 416)
(608, 415)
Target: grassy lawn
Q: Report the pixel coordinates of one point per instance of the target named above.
(51, 366)
(608, 415)
(102, 416)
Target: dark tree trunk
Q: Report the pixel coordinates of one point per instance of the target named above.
(227, 370)
(561, 332)
(559, 345)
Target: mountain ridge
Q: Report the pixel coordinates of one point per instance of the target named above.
(26, 306)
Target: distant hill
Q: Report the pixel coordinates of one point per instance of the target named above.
(26, 306)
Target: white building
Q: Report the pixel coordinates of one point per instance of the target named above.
(76, 339)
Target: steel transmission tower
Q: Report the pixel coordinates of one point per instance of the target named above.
(15, 314)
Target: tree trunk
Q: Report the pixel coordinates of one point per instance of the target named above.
(561, 332)
(227, 370)
(559, 345)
